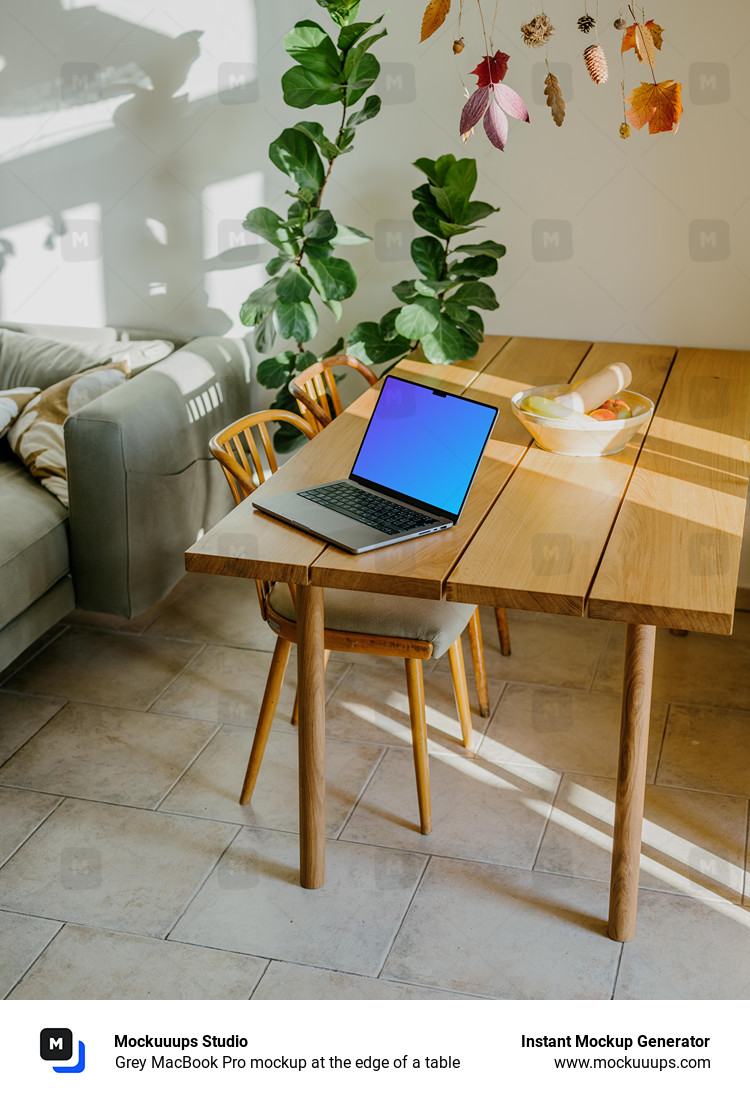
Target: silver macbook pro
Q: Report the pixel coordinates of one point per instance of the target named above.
(411, 476)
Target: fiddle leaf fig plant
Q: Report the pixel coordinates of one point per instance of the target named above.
(305, 270)
(439, 307)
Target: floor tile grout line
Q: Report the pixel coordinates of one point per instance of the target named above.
(203, 882)
(407, 910)
(17, 849)
(63, 704)
(34, 961)
(548, 820)
(201, 649)
(196, 756)
(617, 971)
(363, 789)
(4, 679)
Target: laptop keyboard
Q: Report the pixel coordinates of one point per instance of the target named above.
(374, 511)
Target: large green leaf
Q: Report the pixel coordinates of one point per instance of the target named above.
(311, 48)
(266, 224)
(473, 267)
(295, 154)
(405, 291)
(348, 235)
(294, 286)
(419, 318)
(467, 320)
(277, 264)
(368, 110)
(485, 248)
(436, 170)
(362, 77)
(367, 344)
(476, 294)
(351, 34)
(265, 334)
(296, 321)
(334, 279)
(303, 89)
(357, 53)
(460, 181)
(477, 210)
(342, 12)
(446, 343)
(315, 131)
(428, 254)
(259, 304)
(321, 227)
(277, 371)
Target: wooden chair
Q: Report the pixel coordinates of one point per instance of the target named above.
(318, 400)
(356, 622)
(316, 392)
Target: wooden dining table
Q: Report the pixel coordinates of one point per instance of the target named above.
(650, 537)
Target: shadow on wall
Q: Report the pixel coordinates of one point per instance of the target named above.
(110, 164)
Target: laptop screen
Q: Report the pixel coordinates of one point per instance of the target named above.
(424, 444)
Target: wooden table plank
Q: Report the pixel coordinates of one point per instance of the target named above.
(683, 513)
(540, 545)
(420, 567)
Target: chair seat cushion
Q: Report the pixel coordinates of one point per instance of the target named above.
(435, 621)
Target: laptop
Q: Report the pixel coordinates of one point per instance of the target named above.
(411, 476)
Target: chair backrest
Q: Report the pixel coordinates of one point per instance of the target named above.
(316, 392)
(245, 451)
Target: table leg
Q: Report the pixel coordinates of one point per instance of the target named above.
(311, 688)
(631, 780)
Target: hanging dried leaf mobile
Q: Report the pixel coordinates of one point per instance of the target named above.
(657, 105)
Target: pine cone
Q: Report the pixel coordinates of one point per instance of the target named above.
(596, 63)
(586, 23)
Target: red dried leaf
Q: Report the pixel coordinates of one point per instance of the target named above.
(474, 108)
(491, 70)
(659, 105)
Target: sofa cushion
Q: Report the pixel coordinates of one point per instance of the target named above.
(33, 540)
(33, 361)
(37, 436)
(12, 402)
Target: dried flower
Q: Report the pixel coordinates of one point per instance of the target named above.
(538, 31)
(491, 100)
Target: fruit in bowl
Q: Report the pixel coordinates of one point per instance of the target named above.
(612, 409)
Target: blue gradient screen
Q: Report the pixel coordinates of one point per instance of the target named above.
(424, 443)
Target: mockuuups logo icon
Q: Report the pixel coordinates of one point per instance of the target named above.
(56, 1045)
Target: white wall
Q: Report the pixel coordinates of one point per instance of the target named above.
(133, 140)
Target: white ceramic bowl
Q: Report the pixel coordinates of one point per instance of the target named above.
(604, 437)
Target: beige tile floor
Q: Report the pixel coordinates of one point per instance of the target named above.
(129, 870)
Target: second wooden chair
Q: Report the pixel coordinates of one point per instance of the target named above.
(355, 622)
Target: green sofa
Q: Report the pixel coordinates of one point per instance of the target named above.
(142, 487)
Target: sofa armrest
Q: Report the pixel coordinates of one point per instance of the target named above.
(141, 480)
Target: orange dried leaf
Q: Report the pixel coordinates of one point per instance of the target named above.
(659, 105)
(434, 17)
(643, 38)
